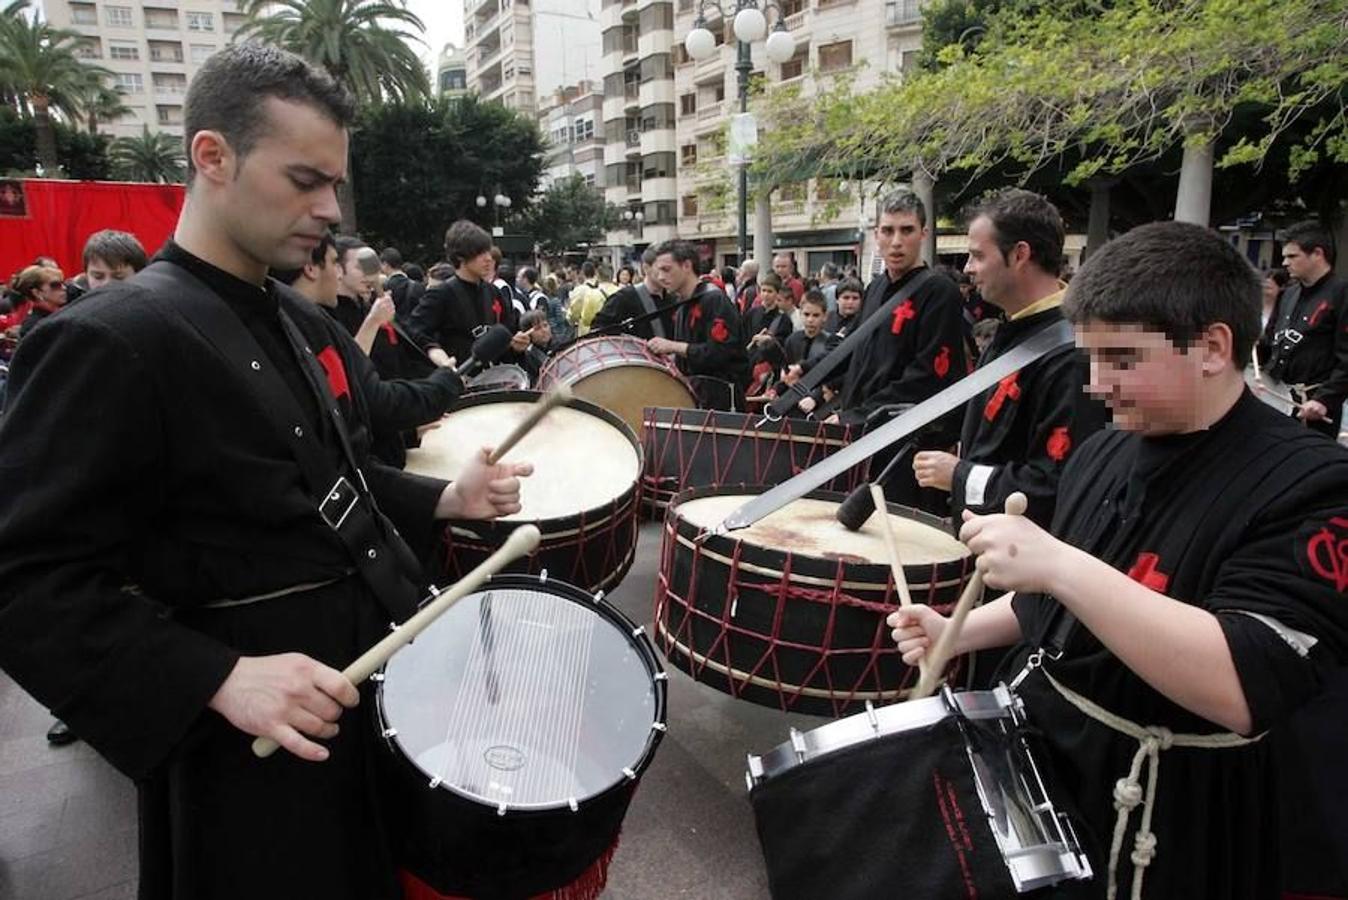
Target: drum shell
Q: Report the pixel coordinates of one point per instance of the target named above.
(832, 651)
(693, 448)
(618, 373)
(592, 549)
(505, 377)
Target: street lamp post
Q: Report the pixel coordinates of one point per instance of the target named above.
(750, 25)
(499, 202)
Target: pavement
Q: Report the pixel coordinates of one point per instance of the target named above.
(68, 819)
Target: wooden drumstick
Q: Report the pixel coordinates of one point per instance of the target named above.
(895, 559)
(521, 542)
(940, 654)
(555, 397)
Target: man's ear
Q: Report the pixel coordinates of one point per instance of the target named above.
(1218, 345)
(212, 157)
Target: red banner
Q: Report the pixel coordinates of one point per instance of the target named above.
(55, 218)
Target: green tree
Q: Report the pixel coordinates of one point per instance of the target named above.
(568, 214)
(97, 102)
(463, 149)
(81, 155)
(361, 43)
(40, 72)
(154, 157)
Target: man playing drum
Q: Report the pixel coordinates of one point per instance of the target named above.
(1189, 596)
(175, 576)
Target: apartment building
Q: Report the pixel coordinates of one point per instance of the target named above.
(519, 51)
(451, 72)
(573, 131)
(152, 47)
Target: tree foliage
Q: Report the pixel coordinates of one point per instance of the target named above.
(155, 157)
(423, 165)
(81, 155)
(568, 214)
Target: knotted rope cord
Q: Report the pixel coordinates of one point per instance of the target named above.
(1128, 791)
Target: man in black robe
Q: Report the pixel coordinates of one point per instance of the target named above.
(638, 299)
(1310, 329)
(1017, 435)
(175, 577)
(450, 316)
(1192, 585)
(707, 342)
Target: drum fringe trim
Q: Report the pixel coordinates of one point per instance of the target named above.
(589, 886)
(1128, 791)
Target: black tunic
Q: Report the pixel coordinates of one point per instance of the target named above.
(1246, 520)
(710, 325)
(918, 354)
(450, 315)
(624, 304)
(148, 479)
(1310, 340)
(1017, 436)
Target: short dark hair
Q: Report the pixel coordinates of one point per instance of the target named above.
(414, 272)
(815, 296)
(533, 317)
(441, 271)
(1020, 216)
(1173, 277)
(529, 274)
(904, 201)
(772, 280)
(682, 251)
(345, 244)
(390, 256)
(116, 248)
(465, 240)
(587, 269)
(1310, 236)
(648, 255)
(320, 253)
(850, 284)
(829, 270)
(228, 92)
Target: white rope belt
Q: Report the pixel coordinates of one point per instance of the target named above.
(1129, 792)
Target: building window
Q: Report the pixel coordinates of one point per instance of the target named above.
(129, 82)
(165, 51)
(681, 57)
(169, 83)
(688, 154)
(89, 48)
(233, 22)
(200, 21)
(795, 66)
(589, 178)
(688, 104)
(507, 72)
(791, 7)
(83, 14)
(170, 115)
(118, 16)
(123, 51)
(165, 19)
(201, 52)
(835, 56)
(584, 130)
(690, 204)
(908, 61)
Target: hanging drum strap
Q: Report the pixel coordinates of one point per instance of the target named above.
(1130, 791)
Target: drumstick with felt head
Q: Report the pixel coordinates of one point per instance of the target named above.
(1016, 504)
(521, 542)
(553, 398)
(857, 508)
(895, 557)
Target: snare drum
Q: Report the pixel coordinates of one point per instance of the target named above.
(517, 726)
(505, 377)
(620, 374)
(935, 799)
(583, 494)
(790, 612)
(690, 448)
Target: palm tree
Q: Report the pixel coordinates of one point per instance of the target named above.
(99, 103)
(359, 42)
(40, 71)
(155, 157)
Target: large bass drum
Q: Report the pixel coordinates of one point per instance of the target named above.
(790, 612)
(583, 495)
(517, 726)
(620, 374)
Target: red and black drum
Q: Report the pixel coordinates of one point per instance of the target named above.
(618, 373)
(583, 495)
(517, 726)
(790, 612)
(692, 448)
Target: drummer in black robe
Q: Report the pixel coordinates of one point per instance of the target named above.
(638, 300)
(1190, 594)
(451, 315)
(1018, 435)
(708, 342)
(174, 577)
(768, 327)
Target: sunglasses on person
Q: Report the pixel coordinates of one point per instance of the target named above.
(56, 284)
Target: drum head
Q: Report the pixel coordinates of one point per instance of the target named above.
(809, 526)
(628, 389)
(581, 461)
(522, 697)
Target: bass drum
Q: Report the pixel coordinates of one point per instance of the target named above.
(505, 377)
(620, 374)
(517, 726)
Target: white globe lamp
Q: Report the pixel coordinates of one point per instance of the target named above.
(781, 46)
(750, 24)
(700, 43)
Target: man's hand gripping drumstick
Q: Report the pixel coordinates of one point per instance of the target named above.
(924, 634)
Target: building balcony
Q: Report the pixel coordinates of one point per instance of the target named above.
(657, 90)
(797, 21)
(665, 188)
(710, 110)
(658, 140)
(903, 13)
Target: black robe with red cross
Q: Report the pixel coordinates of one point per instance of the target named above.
(710, 325)
(918, 353)
(1017, 436)
(1248, 520)
(155, 503)
(451, 315)
(1308, 341)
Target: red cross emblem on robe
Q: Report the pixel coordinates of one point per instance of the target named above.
(1145, 573)
(719, 332)
(1059, 443)
(336, 372)
(1319, 311)
(902, 313)
(941, 365)
(496, 308)
(1008, 387)
(1327, 551)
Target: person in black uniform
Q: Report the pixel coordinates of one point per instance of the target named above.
(450, 316)
(396, 281)
(1310, 329)
(1190, 592)
(1018, 435)
(767, 327)
(707, 340)
(176, 574)
(638, 299)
